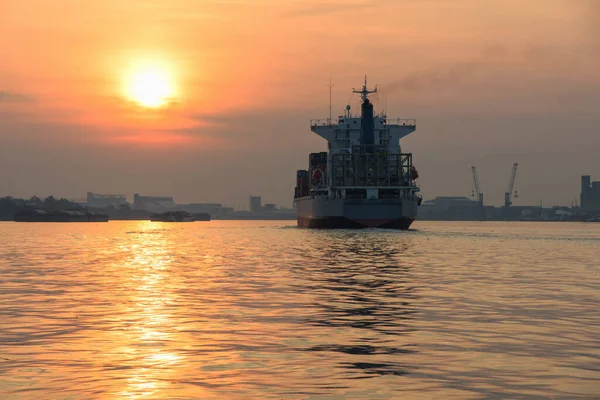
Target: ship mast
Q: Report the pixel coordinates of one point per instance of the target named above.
(364, 92)
(330, 87)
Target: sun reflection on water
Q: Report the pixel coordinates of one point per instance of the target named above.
(151, 340)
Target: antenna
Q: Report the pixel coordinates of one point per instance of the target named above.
(330, 86)
(364, 93)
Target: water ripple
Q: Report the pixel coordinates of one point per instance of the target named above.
(243, 309)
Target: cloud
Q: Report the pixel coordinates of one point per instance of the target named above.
(208, 137)
(13, 97)
(527, 62)
(325, 8)
(153, 139)
(453, 74)
(592, 21)
(214, 119)
(429, 78)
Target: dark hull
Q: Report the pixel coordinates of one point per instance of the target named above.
(201, 217)
(170, 220)
(172, 216)
(345, 223)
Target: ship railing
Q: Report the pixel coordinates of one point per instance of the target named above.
(387, 121)
(401, 121)
(324, 122)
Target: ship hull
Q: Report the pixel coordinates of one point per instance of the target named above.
(172, 216)
(345, 223)
(324, 213)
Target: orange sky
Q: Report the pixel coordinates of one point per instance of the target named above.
(490, 82)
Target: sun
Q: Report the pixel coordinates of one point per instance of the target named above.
(150, 84)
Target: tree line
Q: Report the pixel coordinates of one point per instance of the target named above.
(10, 205)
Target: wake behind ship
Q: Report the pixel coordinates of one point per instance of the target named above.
(364, 180)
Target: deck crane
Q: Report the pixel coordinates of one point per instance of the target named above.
(511, 185)
(477, 191)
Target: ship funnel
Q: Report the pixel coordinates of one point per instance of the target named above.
(367, 135)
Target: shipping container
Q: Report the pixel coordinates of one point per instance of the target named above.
(314, 159)
(302, 181)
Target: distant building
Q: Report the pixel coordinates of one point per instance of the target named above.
(98, 200)
(153, 203)
(446, 202)
(590, 194)
(255, 203)
(213, 209)
(225, 211)
(270, 207)
(210, 208)
(451, 208)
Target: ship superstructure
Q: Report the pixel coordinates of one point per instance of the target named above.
(364, 179)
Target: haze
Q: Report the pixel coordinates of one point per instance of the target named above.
(489, 82)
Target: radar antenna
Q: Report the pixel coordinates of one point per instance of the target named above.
(364, 92)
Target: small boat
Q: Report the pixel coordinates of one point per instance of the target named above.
(172, 216)
(201, 216)
(594, 219)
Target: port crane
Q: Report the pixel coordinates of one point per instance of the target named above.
(511, 185)
(477, 191)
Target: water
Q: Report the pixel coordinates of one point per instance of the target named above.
(259, 310)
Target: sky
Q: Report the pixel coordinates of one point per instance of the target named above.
(490, 83)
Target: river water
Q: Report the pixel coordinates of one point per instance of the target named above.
(263, 310)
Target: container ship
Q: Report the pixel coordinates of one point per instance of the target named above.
(364, 180)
